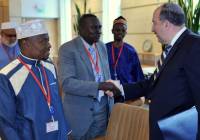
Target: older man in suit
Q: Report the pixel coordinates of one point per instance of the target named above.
(175, 85)
(83, 68)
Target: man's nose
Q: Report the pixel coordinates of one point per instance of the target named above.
(49, 45)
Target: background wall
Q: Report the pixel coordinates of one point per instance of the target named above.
(94, 5)
(4, 14)
(139, 16)
(51, 24)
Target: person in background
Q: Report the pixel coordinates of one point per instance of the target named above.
(83, 68)
(174, 86)
(123, 59)
(30, 105)
(9, 48)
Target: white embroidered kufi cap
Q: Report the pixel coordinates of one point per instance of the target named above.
(8, 25)
(31, 28)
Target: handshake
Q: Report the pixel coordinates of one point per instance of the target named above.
(112, 88)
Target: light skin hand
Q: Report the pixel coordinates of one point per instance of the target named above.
(109, 93)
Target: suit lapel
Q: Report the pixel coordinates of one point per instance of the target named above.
(174, 49)
(83, 55)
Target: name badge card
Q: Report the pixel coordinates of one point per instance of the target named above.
(51, 126)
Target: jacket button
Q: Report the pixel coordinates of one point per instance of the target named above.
(91, 109)
(90, 96)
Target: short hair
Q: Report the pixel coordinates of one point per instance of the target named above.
(121, 20)
(81, 21)
(120, 17)
(173, 13)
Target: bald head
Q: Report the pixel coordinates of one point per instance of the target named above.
(173, 13)
(168, 20)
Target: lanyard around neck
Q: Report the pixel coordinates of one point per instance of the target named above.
(96, 64)
(46, 95)
(115, 61)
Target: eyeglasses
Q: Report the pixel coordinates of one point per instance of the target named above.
(9, 35)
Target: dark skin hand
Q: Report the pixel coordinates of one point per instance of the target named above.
(109, 86)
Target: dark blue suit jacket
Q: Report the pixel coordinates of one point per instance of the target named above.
(177, 87)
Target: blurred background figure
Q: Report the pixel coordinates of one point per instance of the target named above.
(123, 59)
(9, 48)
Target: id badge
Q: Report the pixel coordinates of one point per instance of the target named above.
(98, 77)
(115, 74)
(51, 126)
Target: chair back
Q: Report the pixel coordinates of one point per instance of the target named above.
(128, 122)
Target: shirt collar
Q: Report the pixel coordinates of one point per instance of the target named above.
(28, 60)
(178, 34)
(86, 44)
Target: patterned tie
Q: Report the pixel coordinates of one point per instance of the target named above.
(93, 53)
(161, 60)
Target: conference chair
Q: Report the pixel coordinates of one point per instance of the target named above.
(127, 122)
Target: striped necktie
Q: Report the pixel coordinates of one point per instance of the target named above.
(93, 53)
(161, 60)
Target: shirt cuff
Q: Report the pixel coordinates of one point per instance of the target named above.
(122, 91)
(69, 132)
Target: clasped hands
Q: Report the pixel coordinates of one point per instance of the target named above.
(111, 88)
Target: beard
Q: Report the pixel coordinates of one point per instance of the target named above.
(10, 45)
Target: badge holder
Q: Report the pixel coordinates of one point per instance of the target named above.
(52, 125)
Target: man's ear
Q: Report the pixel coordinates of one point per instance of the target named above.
(112, 30)
(27, 42)
(24, 42)
(167, 23)
(126, 32)
(23, 45)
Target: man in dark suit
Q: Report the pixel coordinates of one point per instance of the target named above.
(83, 68)
(175, 85)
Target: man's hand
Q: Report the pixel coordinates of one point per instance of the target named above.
(109, 86)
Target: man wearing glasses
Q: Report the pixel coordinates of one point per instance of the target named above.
(9, 48)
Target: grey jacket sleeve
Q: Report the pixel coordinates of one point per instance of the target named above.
(73, 73)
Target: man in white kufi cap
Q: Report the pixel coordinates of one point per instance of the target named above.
(30, 105)
(9, 48)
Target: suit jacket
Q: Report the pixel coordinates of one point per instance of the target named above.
(177, 86)
(78, 83)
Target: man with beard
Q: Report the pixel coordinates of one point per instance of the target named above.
(30, 106)
(83, 68)
(9, 48)
(174, 87)
(123, 59)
